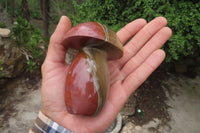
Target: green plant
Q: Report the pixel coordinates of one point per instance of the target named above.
(20, 31)
(183, 18)
(28, 38)
(34, 8)
(2, 25)
(31, 65)
(36, 14)
(102, 11)
(140, 113)
(1, 66)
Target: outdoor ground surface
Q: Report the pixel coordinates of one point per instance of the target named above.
(169, 106)
(180, 110)
(151, 99)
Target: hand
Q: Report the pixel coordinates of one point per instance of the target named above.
(141, 57)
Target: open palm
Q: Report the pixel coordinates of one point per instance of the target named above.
(142, 55)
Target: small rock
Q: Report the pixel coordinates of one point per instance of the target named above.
(4, 32)
(138, 128)
(131, 128)
(128, 128)
(124, 118)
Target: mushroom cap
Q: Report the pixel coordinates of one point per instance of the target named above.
(93, 34)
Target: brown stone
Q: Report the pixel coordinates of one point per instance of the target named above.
(4, 32)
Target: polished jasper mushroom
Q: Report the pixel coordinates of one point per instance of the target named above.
(87, 80)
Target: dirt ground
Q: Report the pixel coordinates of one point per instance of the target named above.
(19, 103)
(151, 99)
(168, 105)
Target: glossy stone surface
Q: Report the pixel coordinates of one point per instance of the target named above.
(87, 80)
(93, 34)
(86, 89)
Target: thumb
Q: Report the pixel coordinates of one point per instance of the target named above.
(56, 51)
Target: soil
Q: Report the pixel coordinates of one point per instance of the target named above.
(151, 99)
(13, 92)
(20, 102)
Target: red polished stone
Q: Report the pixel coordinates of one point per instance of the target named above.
(80, 94)
(93, 34)
(84, 34)
(87, 80)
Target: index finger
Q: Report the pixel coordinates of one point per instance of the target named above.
(130, 30)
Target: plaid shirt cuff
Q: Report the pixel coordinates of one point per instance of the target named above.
(44, 125)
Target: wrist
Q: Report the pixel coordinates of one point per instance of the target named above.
(49, 114)
(44, 124)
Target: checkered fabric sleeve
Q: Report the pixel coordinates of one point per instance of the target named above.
(44, 125)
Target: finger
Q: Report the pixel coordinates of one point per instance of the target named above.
(138, 41)
(136, 78)
(56, 51)
(130, 30)
(62, 28)
(153, 44)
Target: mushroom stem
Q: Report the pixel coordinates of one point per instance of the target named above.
(97, 60)
(87, 82)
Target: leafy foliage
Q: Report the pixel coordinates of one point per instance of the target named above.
(183, 17)
(2, 25)
(34, 7)
(35, 14)
(102, 11)
(28, 39)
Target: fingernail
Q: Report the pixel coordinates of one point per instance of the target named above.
(62, 17)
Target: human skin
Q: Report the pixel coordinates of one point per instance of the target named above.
(142, 55)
